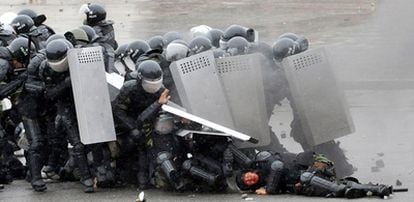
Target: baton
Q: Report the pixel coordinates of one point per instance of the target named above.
(210, 124)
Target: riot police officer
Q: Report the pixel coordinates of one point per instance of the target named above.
(199, 44)
(156, 43)
(135, 109)
(170, 37)
(25, 26)
(96, 18)
(136, 48)
(305, 173)
(236, 30)
(42, 31)
(54, 72)
(95, 40)
(123, 65)
(290, 44)
(27, 105)
(276, 173)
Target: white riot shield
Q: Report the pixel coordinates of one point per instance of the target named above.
(320, 103)
(115, 83)
(243, 86)
(200, 89)
(90, 91)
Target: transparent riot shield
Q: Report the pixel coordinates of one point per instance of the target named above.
(90, 91)
(320, 102)
(242, 82)
(200, 90)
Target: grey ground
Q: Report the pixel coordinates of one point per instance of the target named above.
(369, 42)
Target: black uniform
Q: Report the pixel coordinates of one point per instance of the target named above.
(298, 174)
(58, 88)
(11, 82)
(281, 172)
(40, 35)
(134, 112)
(30, 105)
(106, 32)
(34, 100)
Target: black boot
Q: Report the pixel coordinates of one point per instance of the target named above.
(82, 164)
(35, 170)
(164, 160)
(143, 175)
(88, 183)
(86, 178)
(105, 176)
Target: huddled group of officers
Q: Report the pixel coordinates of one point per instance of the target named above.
(35, 80)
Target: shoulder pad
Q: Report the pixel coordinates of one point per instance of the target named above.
(4, 69)
(36, 61)
(4, 63)
(104, 23)
(129, 85)
(109, 22)
(6, 33)
(5, 53)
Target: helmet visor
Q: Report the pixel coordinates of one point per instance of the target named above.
(60, 65)
(152, 86)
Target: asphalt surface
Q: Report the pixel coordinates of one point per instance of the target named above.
(369, 44)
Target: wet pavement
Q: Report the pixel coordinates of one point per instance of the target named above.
(369, 45)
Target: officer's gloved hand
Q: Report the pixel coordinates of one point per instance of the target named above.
(135, 134)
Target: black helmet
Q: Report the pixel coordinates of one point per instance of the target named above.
(289, 35)
(29, 12)
(149, 70)
(303, 43)
(238, 46)
(199, 44)
(19, 49)
(156, 42)
(92, 36)
(54, 37)
(176, 50)
(37, 19)
(237, 30)
(121, 51)
(22, 24)
(95, 13)
(137, 48)
(170, 36)
(263, 156)
(284, 47)
(56, 54)
(216, 35)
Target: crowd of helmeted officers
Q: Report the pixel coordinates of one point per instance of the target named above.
(35, 82)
